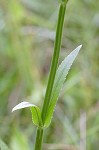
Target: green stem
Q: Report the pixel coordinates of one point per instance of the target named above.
(55, 58)
(39, 137)
(54, 64)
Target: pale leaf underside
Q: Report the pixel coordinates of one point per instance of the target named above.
(36, 113)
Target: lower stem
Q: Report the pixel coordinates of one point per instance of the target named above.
(39, 138)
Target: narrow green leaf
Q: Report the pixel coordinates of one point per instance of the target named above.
(36, 113)
(58, 83)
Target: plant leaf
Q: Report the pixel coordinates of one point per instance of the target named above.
(60, 77)
(36, 116)
(36, 113)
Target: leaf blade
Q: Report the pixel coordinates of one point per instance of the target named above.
(22, 105)
(36, 113)
(60, 77)
(36, 116)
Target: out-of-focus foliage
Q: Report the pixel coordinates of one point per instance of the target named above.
(27, 31)
(3, 146)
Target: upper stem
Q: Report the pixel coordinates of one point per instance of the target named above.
(55, 58)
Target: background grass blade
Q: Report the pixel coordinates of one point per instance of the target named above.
(59, 80)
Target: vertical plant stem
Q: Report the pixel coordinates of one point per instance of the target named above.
(55, 58)
(39, 137)
(53, 68)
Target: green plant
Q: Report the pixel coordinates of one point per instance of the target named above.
(42, 119)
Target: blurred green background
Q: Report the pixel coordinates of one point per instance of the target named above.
(27, 32)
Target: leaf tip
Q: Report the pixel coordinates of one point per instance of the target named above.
(78, 49)
(14, 108)
(80, 46)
